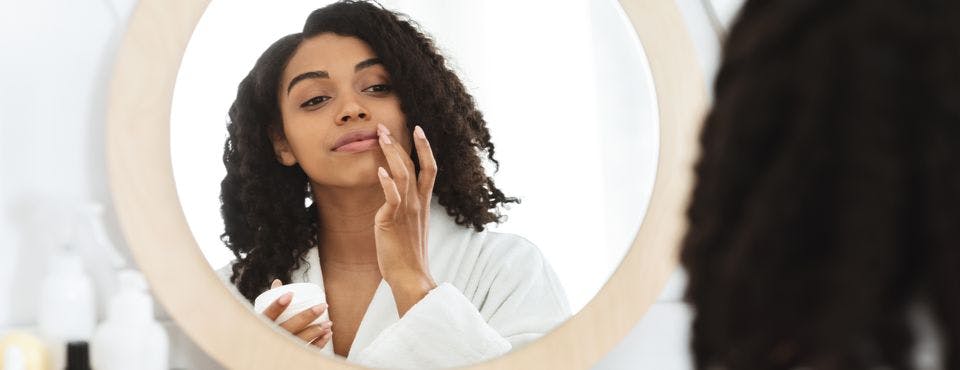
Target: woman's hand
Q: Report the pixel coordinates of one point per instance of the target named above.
(400, 226)
(316, 335)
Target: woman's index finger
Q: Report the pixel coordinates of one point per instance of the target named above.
(276, 308)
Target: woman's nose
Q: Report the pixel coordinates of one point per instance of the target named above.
(352, 111)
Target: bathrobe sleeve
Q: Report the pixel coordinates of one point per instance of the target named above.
(508, 298)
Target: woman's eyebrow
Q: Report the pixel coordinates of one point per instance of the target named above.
(367, 63)
(306, 75)
(324, 74)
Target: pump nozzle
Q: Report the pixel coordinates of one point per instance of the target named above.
(91, 214)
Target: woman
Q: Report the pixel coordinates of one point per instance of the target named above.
(359, 117)
(823, 225)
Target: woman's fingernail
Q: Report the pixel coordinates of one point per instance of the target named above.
(419, 132)
(318, 309)
(285, 298)
(384, 133)
(382, 172)
(326, 324)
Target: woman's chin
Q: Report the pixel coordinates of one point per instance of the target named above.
(360, 177)
(359, 172)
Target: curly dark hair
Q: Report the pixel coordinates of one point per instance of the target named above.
(267, 224)
(827, 195)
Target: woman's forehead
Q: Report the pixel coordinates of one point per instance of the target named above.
(332, 53)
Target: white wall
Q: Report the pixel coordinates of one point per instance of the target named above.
(57, 58)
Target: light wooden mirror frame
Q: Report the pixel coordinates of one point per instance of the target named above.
(156, 231)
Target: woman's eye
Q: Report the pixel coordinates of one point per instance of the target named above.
(314, 101)
(379, 88)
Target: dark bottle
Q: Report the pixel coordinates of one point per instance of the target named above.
(78, 356)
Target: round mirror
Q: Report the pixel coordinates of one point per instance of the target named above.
(598, 163)
(569, 105)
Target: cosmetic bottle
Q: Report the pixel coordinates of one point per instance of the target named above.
(130, 338)
(78, 356)
(23, 351)
(67, 309)
(305, 295)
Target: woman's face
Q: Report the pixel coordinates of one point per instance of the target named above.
(333, 93)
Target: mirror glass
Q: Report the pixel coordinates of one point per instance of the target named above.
(567, 97)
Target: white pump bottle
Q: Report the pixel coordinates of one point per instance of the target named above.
(130, 338)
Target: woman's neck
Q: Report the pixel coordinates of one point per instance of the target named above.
(346, 221)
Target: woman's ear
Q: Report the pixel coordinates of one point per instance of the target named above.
(281, 148)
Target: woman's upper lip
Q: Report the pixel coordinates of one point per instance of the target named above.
(350, 137)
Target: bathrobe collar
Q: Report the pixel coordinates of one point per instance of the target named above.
(382, 310)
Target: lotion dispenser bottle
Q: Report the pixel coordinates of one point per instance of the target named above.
(130, 338)
(67, 309)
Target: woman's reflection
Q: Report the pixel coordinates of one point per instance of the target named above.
(359, 117)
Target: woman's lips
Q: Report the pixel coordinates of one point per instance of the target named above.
(358, 146)
(356, 141)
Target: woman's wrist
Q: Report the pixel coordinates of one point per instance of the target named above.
(410, 289)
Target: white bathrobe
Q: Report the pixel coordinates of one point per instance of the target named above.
(495, 293)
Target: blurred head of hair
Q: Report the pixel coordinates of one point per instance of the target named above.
(827, 195)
